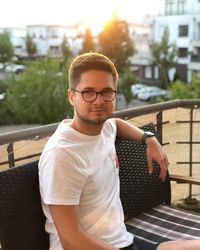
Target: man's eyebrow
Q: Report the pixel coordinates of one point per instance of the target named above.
(88, 88)
(92, 88)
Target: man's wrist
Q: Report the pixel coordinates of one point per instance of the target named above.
(147, 134)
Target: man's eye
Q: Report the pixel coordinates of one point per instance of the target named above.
(108, 92)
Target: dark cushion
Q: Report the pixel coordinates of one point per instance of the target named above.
(21, 217)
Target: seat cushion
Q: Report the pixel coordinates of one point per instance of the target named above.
(163, 223)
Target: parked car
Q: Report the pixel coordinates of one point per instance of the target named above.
(136, 88)
(148, 93)
(1, 66)
(2, 96)
(14, 68)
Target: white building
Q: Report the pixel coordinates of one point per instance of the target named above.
(17, 37)
(182, 17)
(48, 38)
(142, 61)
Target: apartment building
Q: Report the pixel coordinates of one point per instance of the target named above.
(17, 37)
(48, 38)
(142, 62)
(182, 17)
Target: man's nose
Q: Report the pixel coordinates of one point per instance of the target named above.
(99, 98)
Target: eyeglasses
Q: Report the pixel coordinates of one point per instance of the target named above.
(108, 95)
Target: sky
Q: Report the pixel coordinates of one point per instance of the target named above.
(19, 13)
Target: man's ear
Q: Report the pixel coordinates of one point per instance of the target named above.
(70, 94)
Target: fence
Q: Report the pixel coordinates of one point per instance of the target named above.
(178, 127)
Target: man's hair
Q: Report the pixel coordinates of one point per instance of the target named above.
(90, 61)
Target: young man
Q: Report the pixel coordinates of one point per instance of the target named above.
(78, 169)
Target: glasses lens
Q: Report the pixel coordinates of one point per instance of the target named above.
(108, 95)
(89, 95)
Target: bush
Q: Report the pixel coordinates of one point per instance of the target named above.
(181, 90)
(39, 94)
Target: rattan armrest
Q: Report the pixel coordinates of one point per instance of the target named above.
(184, 179)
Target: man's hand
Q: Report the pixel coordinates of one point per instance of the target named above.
(155, 153)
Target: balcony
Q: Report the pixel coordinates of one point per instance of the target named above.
(177, 123)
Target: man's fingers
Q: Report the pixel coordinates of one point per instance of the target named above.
(163, 167)
(150, 165)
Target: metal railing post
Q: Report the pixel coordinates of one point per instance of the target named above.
(11, 158)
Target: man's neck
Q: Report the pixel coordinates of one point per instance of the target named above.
(88, 129)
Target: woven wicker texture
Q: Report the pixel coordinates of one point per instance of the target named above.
(139, 190)
(21, 217)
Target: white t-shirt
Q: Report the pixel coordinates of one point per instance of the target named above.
(77, 169)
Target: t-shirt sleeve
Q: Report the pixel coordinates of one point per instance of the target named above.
(62, 177)
(112, 126)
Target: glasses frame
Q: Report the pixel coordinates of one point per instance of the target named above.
(97, 93)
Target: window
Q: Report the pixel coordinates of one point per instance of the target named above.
(169, 7)
(54, 48)
(183, 31)
(181, 6)
(156, 72)
(183, 52)
(148, 74)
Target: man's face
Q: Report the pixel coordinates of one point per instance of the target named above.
(97, 111)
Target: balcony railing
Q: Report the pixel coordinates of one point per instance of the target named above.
(178, 130)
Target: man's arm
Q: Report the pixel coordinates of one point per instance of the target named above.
(154, 149)
(72, 237)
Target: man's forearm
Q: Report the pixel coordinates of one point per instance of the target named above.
(128, 131)
(83, 240)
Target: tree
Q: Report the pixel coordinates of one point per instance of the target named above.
(125, 82)
(6, 48)
(65, 49)
(66, 52)
(115, 42)
(164, 55)
(30, 46)
(39, 94)
(88, 43)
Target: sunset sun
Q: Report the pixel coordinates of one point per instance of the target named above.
(96, 14)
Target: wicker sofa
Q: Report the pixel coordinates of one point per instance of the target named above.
(145, 198)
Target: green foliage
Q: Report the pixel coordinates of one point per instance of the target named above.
(6, 48)
(115, 42)
(181, 90)
(164, 55)
(125, 82)
(3, 86)
(88, 43)
(30, 46)
(196, 83)
(39, 94)
(65, 49)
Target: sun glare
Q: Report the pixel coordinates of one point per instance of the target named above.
(96, 14)
(93, 13)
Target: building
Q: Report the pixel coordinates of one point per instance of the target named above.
(182, 17)
(17, 37)
(48, 38)
(142, 63)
